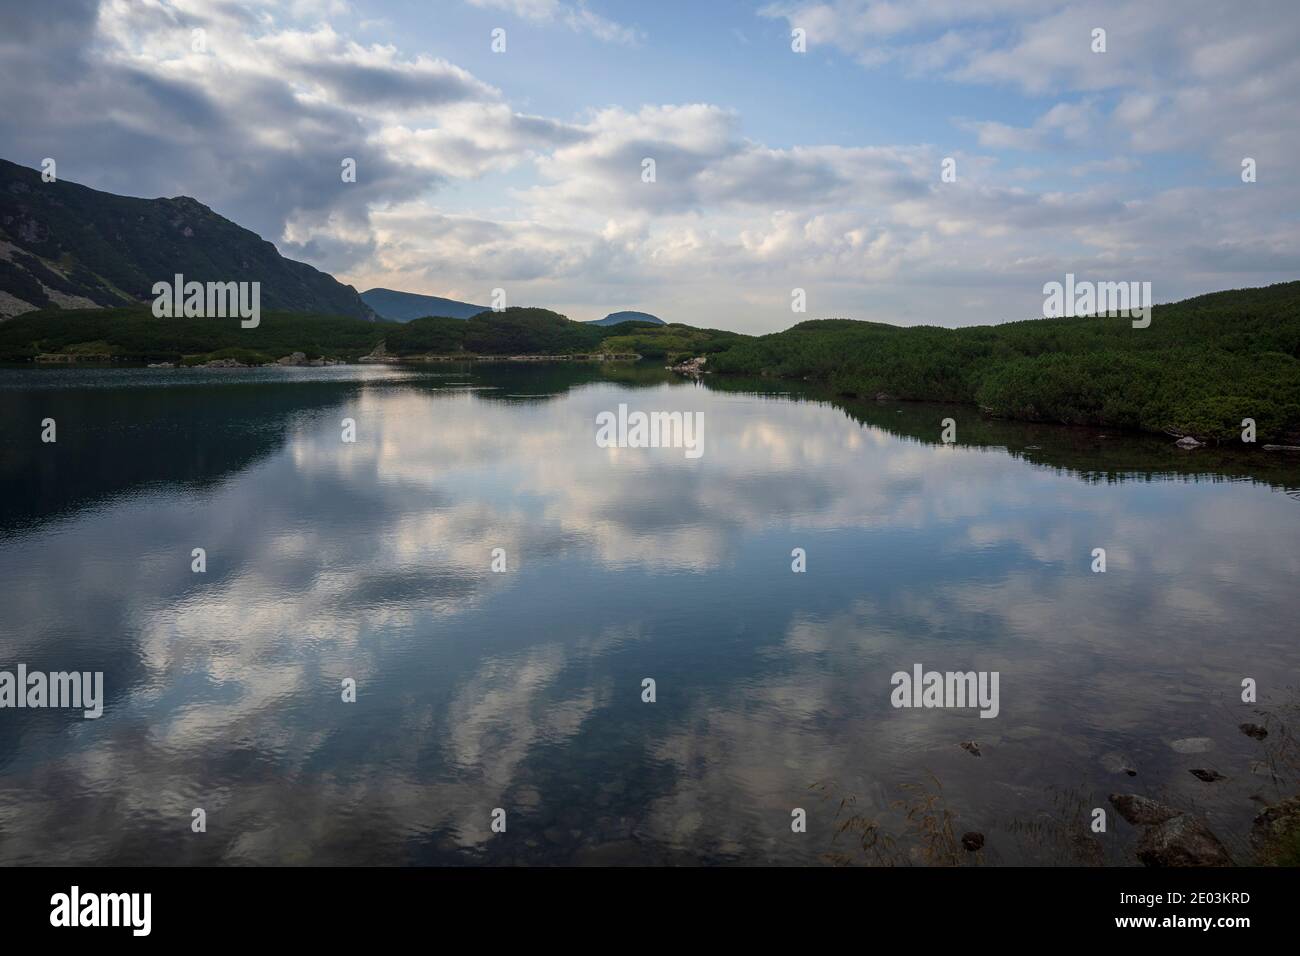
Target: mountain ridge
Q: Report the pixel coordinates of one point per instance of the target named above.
(628, 315)
(398, 306)
(64, 245)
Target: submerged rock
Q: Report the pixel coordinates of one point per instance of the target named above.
(971, 747)
(1209, 776)
(1192, 745)
(972, 841)
(1116, 762)
(1254, 730)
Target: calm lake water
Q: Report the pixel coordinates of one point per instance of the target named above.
(522, 690)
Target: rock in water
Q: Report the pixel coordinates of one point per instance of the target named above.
(1187, 441)
(1209, 776)
(1254, 730)
(1141, 811)
(971, 747)
(972, 841)
(1116, 762)
(1181, 841)
(1275, 823)
(693, 367)
(1192, 745)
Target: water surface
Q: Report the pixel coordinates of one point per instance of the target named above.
(523, 690)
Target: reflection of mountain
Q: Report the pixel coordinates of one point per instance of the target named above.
(199, 434)
(113, 441)
(545, 380)
(521, 690)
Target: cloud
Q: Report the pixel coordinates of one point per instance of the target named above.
(1172, 71)
(459, 188)
(576, 15)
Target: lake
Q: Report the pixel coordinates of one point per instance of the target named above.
(523, 689)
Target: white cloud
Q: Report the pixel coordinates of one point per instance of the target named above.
(458, 188)
(575, 15)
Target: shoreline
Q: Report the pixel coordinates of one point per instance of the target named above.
(56, 358)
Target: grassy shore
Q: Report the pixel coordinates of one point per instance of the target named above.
(1202, 366)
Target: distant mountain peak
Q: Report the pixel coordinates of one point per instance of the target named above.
(404, 306)
(614, 318)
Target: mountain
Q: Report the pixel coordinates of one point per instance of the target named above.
(405, 306)
(614, 318)
(71, 247)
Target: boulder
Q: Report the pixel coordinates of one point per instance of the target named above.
(1141, 811)
(297, 358)
(692, 366)
(1181, 841)
(1272, 824)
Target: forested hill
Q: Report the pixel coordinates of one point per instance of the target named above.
(1202, 366)
(68, 246)
(135, 335)
(1199, 369)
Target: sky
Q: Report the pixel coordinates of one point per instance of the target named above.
(775, 169)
